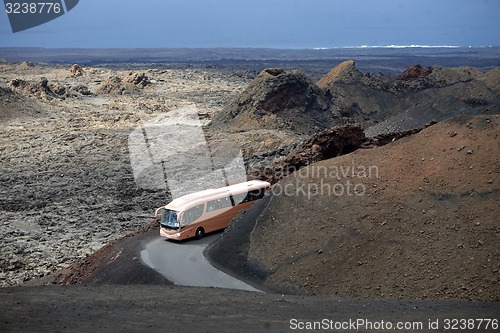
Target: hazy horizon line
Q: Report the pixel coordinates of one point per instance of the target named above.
(415, 46)
(392, 46)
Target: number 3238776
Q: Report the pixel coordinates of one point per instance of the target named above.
(470, 324)
(33, 8)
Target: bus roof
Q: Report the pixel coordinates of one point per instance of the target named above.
(190, 200)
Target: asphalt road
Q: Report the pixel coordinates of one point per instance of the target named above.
(185, 265)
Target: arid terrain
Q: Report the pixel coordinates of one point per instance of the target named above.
(67, 186)
(363, 225)
(385, 189)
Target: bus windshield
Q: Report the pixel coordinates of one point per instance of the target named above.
(169, 219)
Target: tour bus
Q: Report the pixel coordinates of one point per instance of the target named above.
(198, 213)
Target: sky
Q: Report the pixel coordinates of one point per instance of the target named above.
(295, 24)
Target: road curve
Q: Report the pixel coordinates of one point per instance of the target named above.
(184, 264)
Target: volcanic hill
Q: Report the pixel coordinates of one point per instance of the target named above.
(417, 218)
(289, 102)
(279, 100)
(415, 97)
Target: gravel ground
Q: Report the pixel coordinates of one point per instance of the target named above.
(136, 308)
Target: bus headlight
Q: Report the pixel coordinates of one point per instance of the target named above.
(178, 234)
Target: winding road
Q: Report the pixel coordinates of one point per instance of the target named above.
(184, 264)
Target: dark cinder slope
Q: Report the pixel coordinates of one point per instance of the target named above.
(417, 218)
(14, 106)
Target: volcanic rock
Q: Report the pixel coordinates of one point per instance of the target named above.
(82, 89)
(76, 70)
(492, 80)
(132, 82)
(417, 78)
(326, 144)
(26, 65)
(277, 99)
(138, 79)
(113, 85)
(39, 90)
(345, 72)
(414, 72)
(411, 100)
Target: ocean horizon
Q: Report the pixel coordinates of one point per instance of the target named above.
(392, 58)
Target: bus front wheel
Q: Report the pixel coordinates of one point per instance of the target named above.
(200, 233)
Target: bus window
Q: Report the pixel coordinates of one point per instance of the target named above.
(250, 196)
(169, 219)
(218, 204)
(240, 197)
(192, 214)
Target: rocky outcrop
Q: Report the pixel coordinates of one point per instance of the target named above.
(414, 72)
(416, 78)
(25, 65)
(345, 72)
(46, 90)
(76, 70)
(278, 99)
(40, 90)
(112, 85)
(132, 82)
(137, 79)
(326, 144)
(81, 89)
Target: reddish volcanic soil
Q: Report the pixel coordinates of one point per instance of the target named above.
(420, 219)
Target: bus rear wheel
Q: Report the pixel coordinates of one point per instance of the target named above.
(200, 232)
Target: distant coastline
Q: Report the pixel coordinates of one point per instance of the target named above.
(368, 58)
(416, 46)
